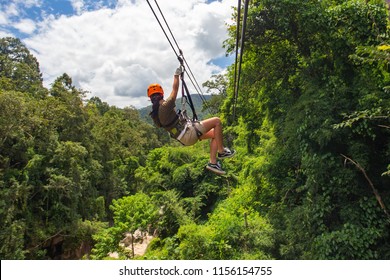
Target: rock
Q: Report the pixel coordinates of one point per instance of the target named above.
(141, 242)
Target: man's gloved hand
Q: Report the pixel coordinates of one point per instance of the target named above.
(179, 71)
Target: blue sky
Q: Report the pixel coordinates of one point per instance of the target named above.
(114, 48)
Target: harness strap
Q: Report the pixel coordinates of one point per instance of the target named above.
(174, 130)
(183, 132)
(171, 123)
(187, 96)
(198, 132)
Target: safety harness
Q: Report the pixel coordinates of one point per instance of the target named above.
(179, 125)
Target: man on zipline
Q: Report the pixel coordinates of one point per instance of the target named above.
(183, 129)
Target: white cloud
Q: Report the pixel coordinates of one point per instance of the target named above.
(26, 26)
(77, 5)
(13, 7)
(11, 14)
(116, 53)
(3, 18)
(28, 3)
(11, 10)
(5, 34)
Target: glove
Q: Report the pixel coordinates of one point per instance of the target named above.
(179, 71)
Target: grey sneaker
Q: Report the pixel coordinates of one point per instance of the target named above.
(227, 153)
(216, 168)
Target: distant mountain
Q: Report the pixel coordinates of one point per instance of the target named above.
(196, 99)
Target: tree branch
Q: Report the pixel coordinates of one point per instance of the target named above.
(384, 126)
(47, 239)
(375, 191)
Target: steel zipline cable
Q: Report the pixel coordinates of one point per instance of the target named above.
(179, 53)
(198, 88)
(236, 58)
(237, 70)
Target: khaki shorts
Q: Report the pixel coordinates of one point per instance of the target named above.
(190, 137)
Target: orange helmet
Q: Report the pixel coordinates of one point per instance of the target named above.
(155, 88)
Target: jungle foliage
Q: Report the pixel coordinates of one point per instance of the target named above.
(310, 179)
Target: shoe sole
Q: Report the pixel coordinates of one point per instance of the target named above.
(216, 171)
